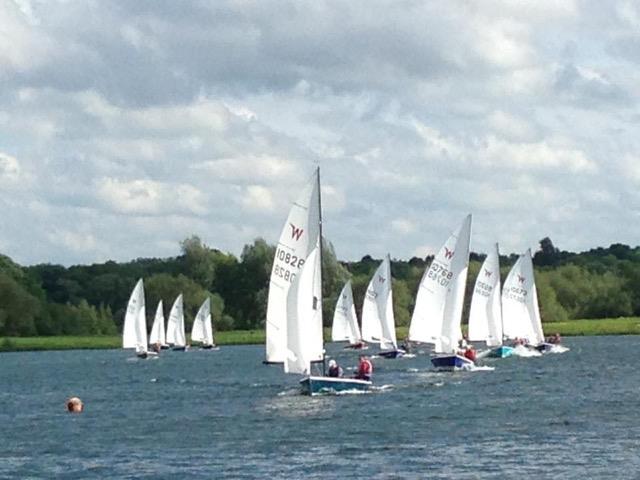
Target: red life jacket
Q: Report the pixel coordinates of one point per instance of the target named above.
(470, 354)
(365, 367)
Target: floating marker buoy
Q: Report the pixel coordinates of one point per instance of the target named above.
(74, 405)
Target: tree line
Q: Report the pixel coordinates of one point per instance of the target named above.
(50, 299)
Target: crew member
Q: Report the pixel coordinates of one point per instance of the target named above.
(365, 369)
(334, 369)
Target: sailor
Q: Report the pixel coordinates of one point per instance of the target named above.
(334, 369)
(74, 405)
(470, 353)
(365, 368)
(555, 339)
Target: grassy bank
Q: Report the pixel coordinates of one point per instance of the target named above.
(608, 326)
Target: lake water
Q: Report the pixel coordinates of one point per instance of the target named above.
(223, 414)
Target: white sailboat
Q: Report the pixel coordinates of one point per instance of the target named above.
(438, 311)
(520, 303)
(378, 322)
(297, 239)
(175, 325)
(202, 330)
(345, 322)
(485, 314)
(134, 331)
(157, 337)
(302, 326)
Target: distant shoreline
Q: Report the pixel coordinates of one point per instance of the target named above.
(608, 326)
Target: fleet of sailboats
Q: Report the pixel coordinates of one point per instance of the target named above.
(134, 332)
(294, 320)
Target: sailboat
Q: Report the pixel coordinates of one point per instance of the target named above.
(438, 311)
(134, 332)
(485, 314)
(300, 327)
(345, 322)
(157, 337)
(175, 326)
(520, 305)
(202, 331)
(378, 322)
(297, 240)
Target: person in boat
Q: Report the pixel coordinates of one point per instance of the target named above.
(555, 339)
(463, 343)
(156, 347)
(406, 345)
(335, 370)
(365, 369)
(470, 353)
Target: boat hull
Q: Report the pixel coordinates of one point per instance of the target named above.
(450, 363)
(544, 347)
(392, 353)
(503, 351)
(319, 385)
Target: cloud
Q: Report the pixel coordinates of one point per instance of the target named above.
(145, 197)
(139, 123)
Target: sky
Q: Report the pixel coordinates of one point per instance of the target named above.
(128, 126)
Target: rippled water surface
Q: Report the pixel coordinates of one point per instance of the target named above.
(223, 414)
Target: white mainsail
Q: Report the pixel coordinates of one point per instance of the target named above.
(520, 302)
(485, 314)
(304, 317)
(378, 322)
(175, 324)
(297, 240)
(157, 335)
(438, 310)
(345, 322)
(134, 331)
(201, 330)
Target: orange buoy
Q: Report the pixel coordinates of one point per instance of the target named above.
(74, 405)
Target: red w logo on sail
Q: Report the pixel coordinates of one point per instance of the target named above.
(521, 279)
(448, 253)
(296, 232)
(487, 273)
(381, 279)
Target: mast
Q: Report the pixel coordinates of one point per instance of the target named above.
(320, 254)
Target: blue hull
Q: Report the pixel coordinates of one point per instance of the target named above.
(501, 352)
(319, 385)
(449, 363)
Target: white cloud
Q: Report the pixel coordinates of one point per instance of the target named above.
(257, 198)
(146, 197)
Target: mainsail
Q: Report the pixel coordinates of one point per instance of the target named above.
(201, 330)
(378, 322)
(438, 310)
(298, 238)
(345, 322)
(485, 315)
(157, 335)
(175, 324)
(134, 331)
(520, 302)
